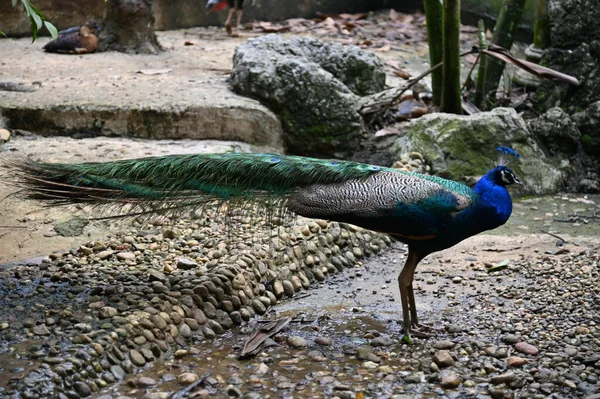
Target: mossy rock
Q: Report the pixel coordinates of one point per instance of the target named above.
(313, 86)
(463, 148)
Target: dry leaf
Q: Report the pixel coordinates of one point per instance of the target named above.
(386, 131)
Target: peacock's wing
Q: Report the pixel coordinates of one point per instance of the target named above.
(182, 181)
(405, 204)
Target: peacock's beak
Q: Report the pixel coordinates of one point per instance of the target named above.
(517, 180)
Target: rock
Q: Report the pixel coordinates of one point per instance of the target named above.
(125, 255)
(82, 389)
(297, 342)
(503, 378)
(186, 264)
(71, 228)
(187, 378)
(463, 146)
(526, 348)
(445, 344)
(515, 361)
(313, 86)
(382, 341)
(573, 22)
(556, 131)
(146, 382)
(580, 62)
(323, 341)
(443, 359)
(588, 122)
(40, 329)
(450, 380)
(107, 312)
(4, 135)
(136, 358)
(155, 275)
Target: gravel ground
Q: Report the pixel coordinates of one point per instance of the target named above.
(167, 305)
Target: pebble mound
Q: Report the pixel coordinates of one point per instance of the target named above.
(90, 317)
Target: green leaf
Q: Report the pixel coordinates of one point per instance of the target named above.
(406, 339)
(34, 31)
(38, 21)
(14, 3)
(499, 266)
(2, 33)
(52, 29)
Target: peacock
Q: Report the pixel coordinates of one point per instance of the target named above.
(428, 213)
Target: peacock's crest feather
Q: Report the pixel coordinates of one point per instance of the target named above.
(505, 154)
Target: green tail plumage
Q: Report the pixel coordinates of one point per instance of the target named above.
(184, 181)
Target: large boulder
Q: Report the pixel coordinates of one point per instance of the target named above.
(557, 132)
(581, 62)
(313, 86)
(462, 148)
(588, 122)
(573, 22)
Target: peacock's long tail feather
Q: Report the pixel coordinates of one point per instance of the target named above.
(182, 181)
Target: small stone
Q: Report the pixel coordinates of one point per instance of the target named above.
(186, 264)
(445, 344)
(382, 341)
(526, 348)
(105, 254)
(40, 329)
(187, 378)
(146, 382)
(443, 359)
(450, 379)
(125, 255)
(511, 339)
(185, 331)
(503, 378)
(136, 358)
(457, 280)
(370, 365)
(4, 135)
(107, 312)
(415, 378)
(288, 288)
(82, 389)
(297, 342)
(262, 369)
(515, 361)
(323, 341)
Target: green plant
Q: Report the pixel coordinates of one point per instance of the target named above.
(37, 18)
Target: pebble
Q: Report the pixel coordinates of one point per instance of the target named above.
(323, 341)
(443, 359)
(297, 342)
(450, 380)
(187, 378)
(125, 255)
(526, 348)
(515, 361)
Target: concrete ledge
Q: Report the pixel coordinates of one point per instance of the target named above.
(183, 93)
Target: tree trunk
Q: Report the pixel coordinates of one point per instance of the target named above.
(508, 21)
(451, 96)
(541, 30)
(128, 27)
(433, 15)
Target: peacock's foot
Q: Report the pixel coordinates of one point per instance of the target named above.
(419, 331)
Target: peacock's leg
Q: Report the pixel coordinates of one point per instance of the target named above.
(407, 296)
(239, 17)
(228, 21)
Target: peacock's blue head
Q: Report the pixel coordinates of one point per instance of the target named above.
(502, 176)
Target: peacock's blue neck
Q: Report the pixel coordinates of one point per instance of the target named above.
(494, 205)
